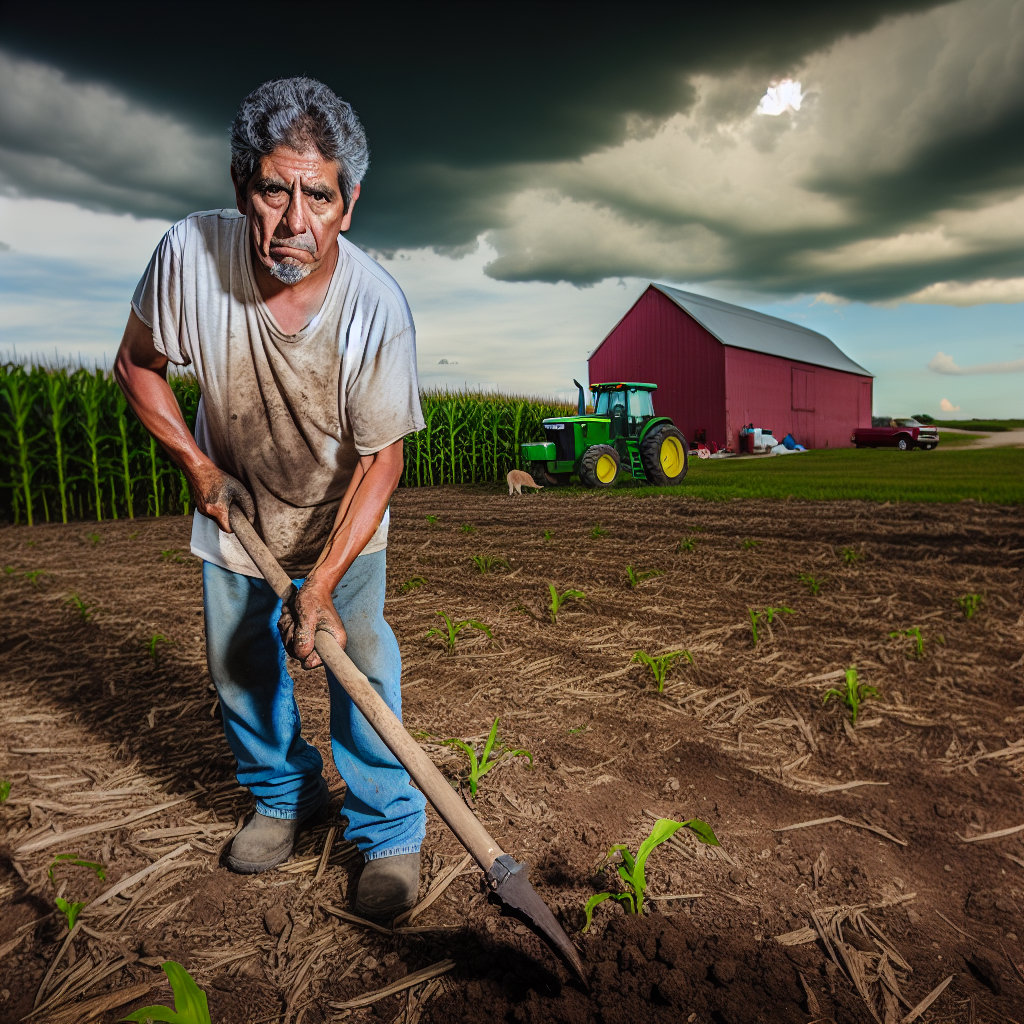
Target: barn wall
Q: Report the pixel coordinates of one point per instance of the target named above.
(819, 406)
(660, 343)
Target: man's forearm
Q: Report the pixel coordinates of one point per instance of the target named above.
(359, 515)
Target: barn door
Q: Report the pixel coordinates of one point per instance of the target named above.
(803, 390)
(864, 412)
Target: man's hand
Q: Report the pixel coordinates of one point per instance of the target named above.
(213, 491)
(309, 611)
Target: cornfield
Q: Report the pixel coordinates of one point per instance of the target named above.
(72, 449)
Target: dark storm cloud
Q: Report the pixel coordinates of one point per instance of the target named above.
(465, 110)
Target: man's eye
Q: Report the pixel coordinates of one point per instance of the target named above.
(272, 190)
(321, 197)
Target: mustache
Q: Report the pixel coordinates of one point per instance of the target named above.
(304, 241)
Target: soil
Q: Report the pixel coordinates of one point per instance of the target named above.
(112, 743)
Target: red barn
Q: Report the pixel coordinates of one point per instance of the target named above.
(719, 367)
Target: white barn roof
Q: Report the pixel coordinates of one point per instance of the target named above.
(744, 328)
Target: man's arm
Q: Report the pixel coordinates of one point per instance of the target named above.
(142, 373)
(359, 515)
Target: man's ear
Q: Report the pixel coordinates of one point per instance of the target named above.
(241, 199)
(346, 221)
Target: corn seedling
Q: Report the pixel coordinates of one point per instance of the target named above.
(485, 563)
(660, 665)
(35, 575)
(468, 528)
(549, 534)
(449, 633)
(851, 556)
(69, 910)
(749, 544)
(810, 583)
(432, 520)
(416, 581)
(557, 600)
(636, 578)
(686, 544)
(74, 860)
(969, 604)
(172, 555)
(913, 634)
(768, 613)
(153, 645)
(9, 570)
(5, 790)
(632, 869)
(478, 767)
(84, 609)
(95, 538)
(598, 531)
(190, 1005)
(854, 695)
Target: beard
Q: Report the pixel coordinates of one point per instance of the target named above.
(289, 273)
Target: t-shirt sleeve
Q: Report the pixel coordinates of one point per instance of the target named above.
(158, 299)
(383, 398)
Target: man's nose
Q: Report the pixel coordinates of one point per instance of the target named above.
(295, 215)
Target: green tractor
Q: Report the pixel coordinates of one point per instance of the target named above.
(621, 435)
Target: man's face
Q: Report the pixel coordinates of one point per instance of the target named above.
(295, 212)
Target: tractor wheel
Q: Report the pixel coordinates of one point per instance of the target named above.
(539, 472)
(599, 466)
(663, 453)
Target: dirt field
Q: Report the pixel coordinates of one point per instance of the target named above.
(111, 740)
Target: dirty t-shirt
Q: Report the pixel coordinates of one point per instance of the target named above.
(287, 414)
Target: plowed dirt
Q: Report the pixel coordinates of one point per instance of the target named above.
(111, 740)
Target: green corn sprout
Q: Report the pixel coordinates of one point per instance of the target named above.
(632, 870)
(5, 790)
(810, 583)
(769, 613)
(432, 520)
(412, 584)
(598, 531)
(74, 860)
(748, 544)
(686, 544)
(660, 665)
(35, 575)
(95, 538)
(549, 534)
(913, 634)
(9, 570)
(69, 910)
(854, 695)
(451, 630)
(468, 528)
(190, 1005)
(478, 767)
(636, 578)
(84, 609)
(485, 563)
(172, 555)
(153, 645)
(851, 556)
(557, 600)
(969, 604)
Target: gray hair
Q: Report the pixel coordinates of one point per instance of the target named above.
(299, 113)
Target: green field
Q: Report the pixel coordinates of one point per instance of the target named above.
(994, 475)
(989, 426)
(958, 440)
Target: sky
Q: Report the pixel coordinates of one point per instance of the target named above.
(853, 168)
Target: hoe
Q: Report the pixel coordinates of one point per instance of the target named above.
(621, 435)
(507, 878)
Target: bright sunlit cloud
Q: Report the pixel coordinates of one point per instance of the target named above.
(947, 406)
(786, 95)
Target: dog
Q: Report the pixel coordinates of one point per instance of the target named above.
(517, 480)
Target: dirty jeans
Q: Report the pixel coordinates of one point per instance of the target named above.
(261, 719)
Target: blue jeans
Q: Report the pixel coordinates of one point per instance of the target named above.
(261, 719)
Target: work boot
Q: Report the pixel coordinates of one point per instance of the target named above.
(387, 887)
(266, 842)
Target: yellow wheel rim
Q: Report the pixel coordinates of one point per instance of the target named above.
(606, 469)
(672, 457)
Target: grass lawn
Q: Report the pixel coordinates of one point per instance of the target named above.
(993, 475)
(957, 440)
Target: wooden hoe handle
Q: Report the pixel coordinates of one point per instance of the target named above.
(457, 816)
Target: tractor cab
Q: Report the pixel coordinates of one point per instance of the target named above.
(621, 434)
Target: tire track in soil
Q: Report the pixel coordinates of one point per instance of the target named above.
(117, 732)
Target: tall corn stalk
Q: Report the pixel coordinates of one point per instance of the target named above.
(89, 393)
(18, 392)
(58, 396)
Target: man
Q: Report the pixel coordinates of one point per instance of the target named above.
(305, 353)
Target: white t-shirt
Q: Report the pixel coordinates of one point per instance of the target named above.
(287, 414)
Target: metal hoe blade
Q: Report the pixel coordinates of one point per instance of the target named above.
(510, 880)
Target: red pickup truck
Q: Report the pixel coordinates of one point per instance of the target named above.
(901, 432)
